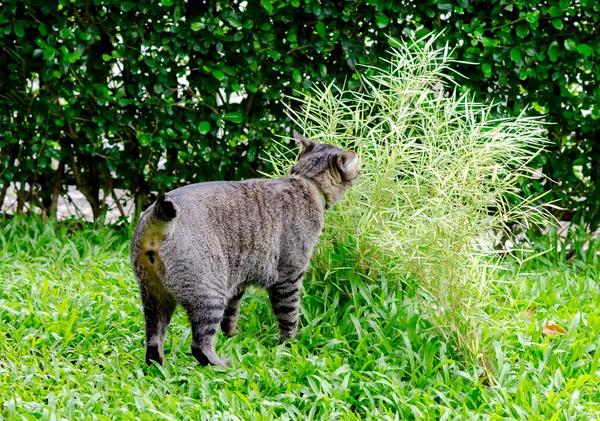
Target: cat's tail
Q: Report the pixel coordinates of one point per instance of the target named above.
(156, 222)
(165, 210)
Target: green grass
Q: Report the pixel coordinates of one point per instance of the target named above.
(72, 345)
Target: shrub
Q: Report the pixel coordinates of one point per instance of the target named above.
(439, 184)
(135, 95)
(138, 95)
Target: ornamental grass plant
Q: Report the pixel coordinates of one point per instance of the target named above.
(438, 191)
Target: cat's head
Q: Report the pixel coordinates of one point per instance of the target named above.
(332, 169)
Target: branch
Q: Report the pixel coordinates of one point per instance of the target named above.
(249, 104)
(82, 187)
(57, 185)
(113, 193)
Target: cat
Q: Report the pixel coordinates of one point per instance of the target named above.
(201, 245)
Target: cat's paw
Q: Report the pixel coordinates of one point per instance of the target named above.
(208, 357)
(286, 338)
(153, 354)
(220, 362)
(231, 334)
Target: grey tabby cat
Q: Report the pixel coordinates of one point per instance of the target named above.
(201, 245)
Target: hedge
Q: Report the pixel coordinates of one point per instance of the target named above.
(150, 95)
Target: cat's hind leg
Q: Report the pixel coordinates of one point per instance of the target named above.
(205, 312)
(232, 313)
(197, 277)
(159, 306)
(285, 300)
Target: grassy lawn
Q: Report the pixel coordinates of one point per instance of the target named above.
(72, 345)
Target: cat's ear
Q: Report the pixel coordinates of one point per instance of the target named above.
(305, 143)
(348, 164)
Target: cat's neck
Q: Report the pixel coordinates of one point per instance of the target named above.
(316, 188)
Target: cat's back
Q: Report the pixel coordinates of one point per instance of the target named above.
(256, 207)
(217, 194)
(230, 196)
(223, 200)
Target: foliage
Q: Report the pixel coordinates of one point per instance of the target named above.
(439, 184)
(71, 340)
(136, 95)
(542, 56)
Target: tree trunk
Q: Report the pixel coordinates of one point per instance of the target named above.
(57, 186)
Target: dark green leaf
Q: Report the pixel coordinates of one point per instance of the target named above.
(323, 70)
(235, 117)
(522, 30)
(234, 22)
(252, 153)
(228, 70)
(197, 26)
(585, 49)
(515, 54)
(487, 69)
(321, 29)
(557, 23)
(65, 33)
(533, 17)
(555, 11)
(204, 127)
(564, 4)
(553, 52)
(570, 44)
(267, 5)
(381, 20)
(219, 75)
(126, 6)
(84, 36)
(275, 55)
(18, 28)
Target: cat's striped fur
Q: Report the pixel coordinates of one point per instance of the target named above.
(201, 246)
